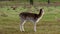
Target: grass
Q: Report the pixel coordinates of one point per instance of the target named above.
(49, 24)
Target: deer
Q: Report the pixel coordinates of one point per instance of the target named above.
(34, 18)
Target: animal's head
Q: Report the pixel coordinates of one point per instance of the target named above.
(42, 10)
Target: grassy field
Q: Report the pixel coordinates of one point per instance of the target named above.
(49, 24)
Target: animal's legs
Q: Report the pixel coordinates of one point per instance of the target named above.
(22, 25)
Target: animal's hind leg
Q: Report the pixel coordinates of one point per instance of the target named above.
(22, 25)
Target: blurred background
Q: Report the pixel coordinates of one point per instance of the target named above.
(10, 20)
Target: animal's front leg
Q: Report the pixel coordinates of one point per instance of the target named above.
(35, 27)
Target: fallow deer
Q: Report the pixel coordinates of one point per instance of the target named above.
(25, 16)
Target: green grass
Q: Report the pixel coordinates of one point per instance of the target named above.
(49, 24)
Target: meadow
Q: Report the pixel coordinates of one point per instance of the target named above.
(10, 21)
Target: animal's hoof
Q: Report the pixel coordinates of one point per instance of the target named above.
(35, 31)
(22, 31)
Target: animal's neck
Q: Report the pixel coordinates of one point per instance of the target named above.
(40, 13)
